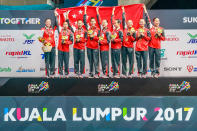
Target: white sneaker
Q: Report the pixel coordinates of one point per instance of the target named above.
(81, 76)
(156, 75)
(123, 76)
(130, 76)
(143, 76)
(116, 76)
(66, 76)
(52, 76)
(96, 76)
(104, 76)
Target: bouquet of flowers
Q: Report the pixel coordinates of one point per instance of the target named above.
(41, 39)
(101, 38)
(64, 38)
(113, 36)
(78, 36)
(46, 45)
(141, 30)
(159, 30)
(90, 32)
(132, 30)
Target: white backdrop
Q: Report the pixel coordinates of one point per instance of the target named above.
(172, 65)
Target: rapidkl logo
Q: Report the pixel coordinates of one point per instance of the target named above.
(193, 39)
(29, 39)
(19, 54)
(187, 54)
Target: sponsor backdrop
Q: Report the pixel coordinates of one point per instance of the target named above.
(104, 114)
(21, 54)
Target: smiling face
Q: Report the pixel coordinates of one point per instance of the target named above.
(117, 24)
(93, 22)
(129, 23)
(80, 24)
(48, 22)
(65, 25)
(142, 22)
(104, 23)
(156, 22)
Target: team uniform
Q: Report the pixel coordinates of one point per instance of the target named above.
(104, 47)
(92, 48)
(141, 50)
(65, 40)
(127, 50)
(155, 46)
(116, 45)
(79, 50)
(48, 35)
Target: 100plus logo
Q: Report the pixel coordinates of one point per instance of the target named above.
(29, 39)
(193, 39)
(98, 114)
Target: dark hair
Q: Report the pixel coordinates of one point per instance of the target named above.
(92, 18)
(65, 21)
(119, 21)
(47, 19)
(155, 18)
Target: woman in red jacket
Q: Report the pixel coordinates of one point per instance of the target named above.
(65, 40)
(48, 36)
(158, 35)
(141, 49)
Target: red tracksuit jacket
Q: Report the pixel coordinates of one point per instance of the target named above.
(155, 41)
(142, 42)
(93, 43)
(48, 35)
(80, 45)
(117, 42)
(104, 44)
(69, 40)
(130, 39)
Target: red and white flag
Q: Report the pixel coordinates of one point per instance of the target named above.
(133, 12)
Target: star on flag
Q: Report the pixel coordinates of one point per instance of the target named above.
(74, 16)
(80, 11)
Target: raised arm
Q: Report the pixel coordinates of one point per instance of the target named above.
(85, 17)
(98, 17)
(112, 18)
(67, 20)
(56, 20)
(123, 18)
(147, 19)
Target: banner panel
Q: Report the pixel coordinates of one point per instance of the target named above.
(104, 114)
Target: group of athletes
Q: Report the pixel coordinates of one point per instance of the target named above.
(98, 41)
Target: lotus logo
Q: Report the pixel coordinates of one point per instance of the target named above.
(193, 39)
(29, 39)
(190, 68)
